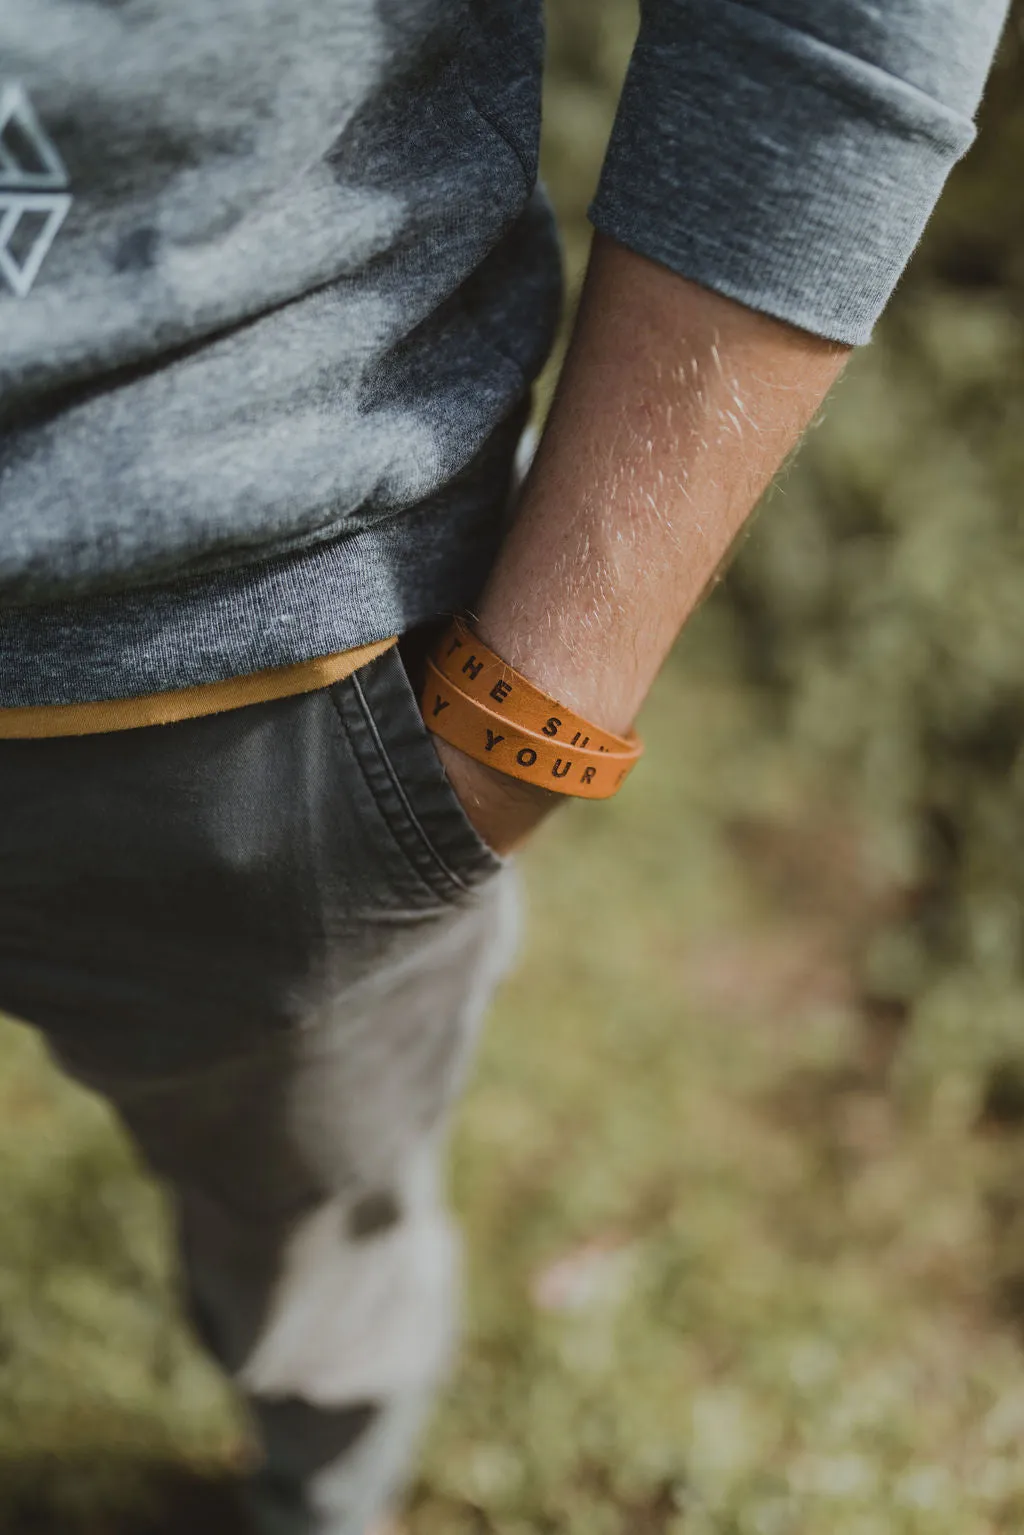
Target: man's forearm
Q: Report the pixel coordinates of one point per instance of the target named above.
(674, 409)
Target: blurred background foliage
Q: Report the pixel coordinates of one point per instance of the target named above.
(877, 598)
(742, 1167)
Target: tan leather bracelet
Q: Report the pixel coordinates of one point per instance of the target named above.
(502, 744)
(476, 670)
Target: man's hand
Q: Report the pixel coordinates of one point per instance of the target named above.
(503, 810)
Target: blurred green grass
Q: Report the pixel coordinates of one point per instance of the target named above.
(720, 1281)
(745, 1239)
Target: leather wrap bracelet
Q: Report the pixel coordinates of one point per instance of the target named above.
(480, 704)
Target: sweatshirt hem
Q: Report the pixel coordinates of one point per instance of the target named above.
(362, 588)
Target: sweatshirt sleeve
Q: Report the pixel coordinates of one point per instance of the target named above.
(788, 153)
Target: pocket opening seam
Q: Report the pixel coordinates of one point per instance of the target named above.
(444, 869)
(386, 817)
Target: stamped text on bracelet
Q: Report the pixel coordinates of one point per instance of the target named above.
(562, 767)
(465, 661)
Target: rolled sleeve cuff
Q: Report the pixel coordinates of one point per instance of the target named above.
(773, 167)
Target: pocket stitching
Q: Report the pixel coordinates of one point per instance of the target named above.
(408, 808)
(382, 811)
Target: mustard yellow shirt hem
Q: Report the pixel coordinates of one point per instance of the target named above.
(36, 722)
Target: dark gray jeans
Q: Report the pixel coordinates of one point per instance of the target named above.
(268, 937)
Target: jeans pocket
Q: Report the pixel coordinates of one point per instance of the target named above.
(382, 720)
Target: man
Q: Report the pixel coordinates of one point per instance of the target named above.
(275, 279)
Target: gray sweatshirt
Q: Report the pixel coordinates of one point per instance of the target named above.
(276, 275)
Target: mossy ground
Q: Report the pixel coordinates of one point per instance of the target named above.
(741, 1167)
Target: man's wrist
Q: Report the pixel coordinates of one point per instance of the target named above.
(590, 684)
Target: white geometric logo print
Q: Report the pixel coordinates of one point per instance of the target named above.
(34, 201)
